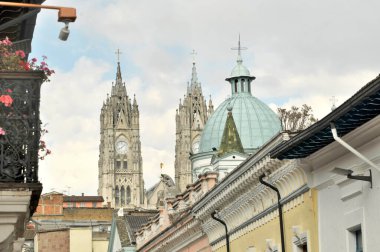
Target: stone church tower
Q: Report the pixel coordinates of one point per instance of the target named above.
(191, 116)
(120, 162)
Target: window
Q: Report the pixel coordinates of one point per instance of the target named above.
(118, 164)
(299, 239)
(82, 204)
(249, 87)
(236, 82)
(359, 240)
(128, 195)
(117, 196)
(70, 204)
(125, 164)
(242, 85)
(94, 204)
(122, 192)
(355, 239)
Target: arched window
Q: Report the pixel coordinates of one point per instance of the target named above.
(117, 196)
(236, 84)
(128, 195)
(122, 192)
(242, 85)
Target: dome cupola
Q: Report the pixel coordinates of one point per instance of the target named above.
(255, 121)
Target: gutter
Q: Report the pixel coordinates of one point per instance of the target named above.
(350, 148)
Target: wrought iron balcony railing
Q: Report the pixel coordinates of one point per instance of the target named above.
(21, 122)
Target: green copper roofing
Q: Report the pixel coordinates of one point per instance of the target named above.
(255, 121)
(230, 139)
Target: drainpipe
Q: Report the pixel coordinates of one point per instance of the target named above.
(348, 147)
(225, 226)
(279, 209)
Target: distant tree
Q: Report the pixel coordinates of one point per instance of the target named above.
(296, 118)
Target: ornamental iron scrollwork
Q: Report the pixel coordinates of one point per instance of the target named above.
(21, 123)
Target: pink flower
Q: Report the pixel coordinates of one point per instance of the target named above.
(34, 60)
(2, 132)
(8, 90)
(20, 53)
(6, 100)
(6, 41)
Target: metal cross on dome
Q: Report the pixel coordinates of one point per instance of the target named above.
(239, 48)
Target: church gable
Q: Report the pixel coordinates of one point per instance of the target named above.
(121, 120)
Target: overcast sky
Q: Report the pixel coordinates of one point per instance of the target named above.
(299, 51)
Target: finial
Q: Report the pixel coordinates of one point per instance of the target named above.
(118, 73)
(118, 52)
(161, 165)
(194, 77)
(333, 101)
(239, 48)
(193, 53)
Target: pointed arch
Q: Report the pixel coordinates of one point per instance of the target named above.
(117, 196)
(122, 196)
(128, 195)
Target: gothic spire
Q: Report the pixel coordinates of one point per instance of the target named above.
(119, 80)
(194, 76)
(118, 73)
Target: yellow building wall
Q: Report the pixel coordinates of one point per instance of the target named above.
(100, 246)
(303, 215)
(81, 239)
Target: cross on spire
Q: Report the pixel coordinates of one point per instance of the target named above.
(239, 48)
(118, 52)
(193, 53)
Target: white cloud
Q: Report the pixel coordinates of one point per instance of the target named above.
(300, 53)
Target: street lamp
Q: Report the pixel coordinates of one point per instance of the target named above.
(65, 15)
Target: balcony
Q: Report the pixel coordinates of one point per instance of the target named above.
(19, 186)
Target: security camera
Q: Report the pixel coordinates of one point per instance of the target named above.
(64, 33)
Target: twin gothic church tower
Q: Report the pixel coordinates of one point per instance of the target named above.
(191, 117)
(120, 163)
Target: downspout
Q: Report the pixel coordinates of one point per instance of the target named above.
(225, 226)
(348, 147)
(279, 209)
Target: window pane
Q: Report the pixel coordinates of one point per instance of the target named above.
(359, 240)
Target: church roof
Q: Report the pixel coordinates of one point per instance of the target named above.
(230, 140)
(255, 121)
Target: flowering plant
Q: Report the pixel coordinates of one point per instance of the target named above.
(14, 60)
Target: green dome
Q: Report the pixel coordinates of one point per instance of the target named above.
(255, 122)
(240, 70)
